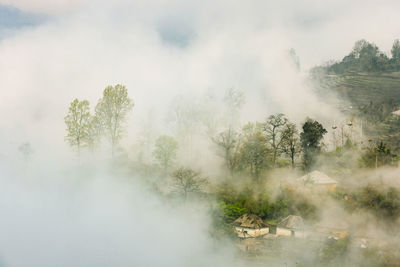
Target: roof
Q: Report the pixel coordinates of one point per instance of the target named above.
(292, 222)
(250, 221)
(397, 112)
(317, 177)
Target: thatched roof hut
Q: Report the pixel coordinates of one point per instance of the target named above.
(292, 222)
(396, 113)
(250, 221)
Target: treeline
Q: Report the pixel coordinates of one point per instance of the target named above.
(266, 145)
(367, 57)
(250, 150)
(87, 130)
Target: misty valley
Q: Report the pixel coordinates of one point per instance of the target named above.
(143, 133)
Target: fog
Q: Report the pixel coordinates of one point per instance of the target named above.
(92, 218)
(56, 212)
(159, 50)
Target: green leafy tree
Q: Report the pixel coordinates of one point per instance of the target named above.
(94, 132)
(187, 181)
(365, 56)
(290, 141)
(78, 124)
(395, 51)
(231, 212)
(112, 111)
(273, 129)
(310, 138)
(165, 151)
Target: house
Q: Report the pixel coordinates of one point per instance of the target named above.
(396, 113)
(250, 225)
(318, 179)
(293, 226)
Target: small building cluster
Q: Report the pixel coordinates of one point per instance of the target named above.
(252, 226)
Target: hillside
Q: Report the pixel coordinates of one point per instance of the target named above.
(360, 88)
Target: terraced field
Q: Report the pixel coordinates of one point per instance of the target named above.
(355, 90)
(362, 88)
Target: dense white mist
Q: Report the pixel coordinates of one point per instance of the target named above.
(74, 217)
(158, 49)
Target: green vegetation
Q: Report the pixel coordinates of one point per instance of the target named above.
(78, 124)
(259, 162)
(112, 111)
(310, 139)
(367, 82)
(85, 130)
(377, 155)
(384, 203)
(235, 202)
(367, 57)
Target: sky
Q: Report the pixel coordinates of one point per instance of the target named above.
(335, 24)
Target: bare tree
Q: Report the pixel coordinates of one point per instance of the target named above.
(229, 142)
(273, 129)
(291, 143)
(187, 181)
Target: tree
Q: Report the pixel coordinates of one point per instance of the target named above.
(165, 151)
(78, 124)
(369, 57)
(290, 141)
(273, 129)
(229, 142)
(377, 155)
(396, 50)
(112, 111)
(254, 153)
(365, 56)
(187, 181)
(310, 139)
(94, 133)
